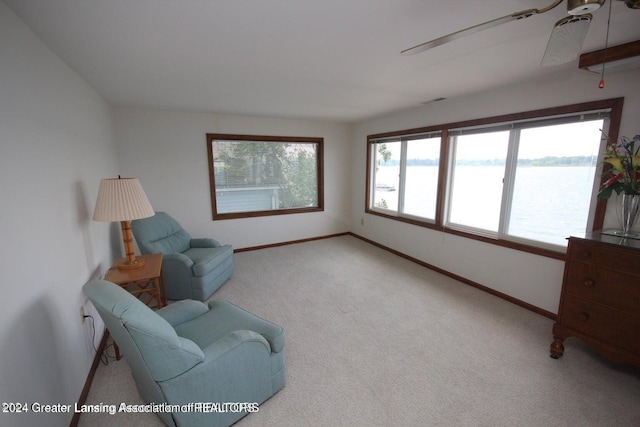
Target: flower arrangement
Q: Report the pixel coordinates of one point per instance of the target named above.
(624, 175)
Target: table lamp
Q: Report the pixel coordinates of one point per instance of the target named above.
(123, 199)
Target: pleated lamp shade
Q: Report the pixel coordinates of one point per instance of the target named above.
(121, 199)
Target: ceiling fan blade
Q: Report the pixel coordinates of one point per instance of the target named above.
(566, 40)
(476, 28)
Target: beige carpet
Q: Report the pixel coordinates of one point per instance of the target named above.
(376, 340)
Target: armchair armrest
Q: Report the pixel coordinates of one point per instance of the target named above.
(204, 243)
(182, 311)
(178, 258)
(238, 364)
(229, 354)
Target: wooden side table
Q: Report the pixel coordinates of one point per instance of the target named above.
(144, 280)
(147, 279)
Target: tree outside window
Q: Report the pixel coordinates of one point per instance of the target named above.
(264, 175)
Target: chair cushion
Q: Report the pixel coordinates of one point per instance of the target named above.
(206, 260)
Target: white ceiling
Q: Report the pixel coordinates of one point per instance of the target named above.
(320, 59)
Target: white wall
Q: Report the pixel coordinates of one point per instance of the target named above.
(56, 143)
(534, 279)
(167, 151)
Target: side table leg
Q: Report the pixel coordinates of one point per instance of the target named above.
(164, 288)
(556, 348)
(156, 284)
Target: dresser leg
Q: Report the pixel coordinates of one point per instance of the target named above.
(556, 348)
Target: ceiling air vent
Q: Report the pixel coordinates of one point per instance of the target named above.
(433, 100)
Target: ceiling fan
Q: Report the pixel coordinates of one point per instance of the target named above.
(566, 38)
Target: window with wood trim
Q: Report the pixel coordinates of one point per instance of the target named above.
(405, 175)
(253, 175)
(525, 181)
(532, 182)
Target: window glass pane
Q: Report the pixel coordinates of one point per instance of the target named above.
(554, 181)
(476, 185)
(256, 176)
(387, 175)
(421, 183)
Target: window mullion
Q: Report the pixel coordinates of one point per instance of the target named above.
(451, 162)
(373, 172)
(508, 182)
(403, 175)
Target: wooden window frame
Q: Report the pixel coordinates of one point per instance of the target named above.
(319, 142)
(614, 104)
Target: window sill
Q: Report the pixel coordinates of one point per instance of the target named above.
(559, 254)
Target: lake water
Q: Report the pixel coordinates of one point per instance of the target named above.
(549, 203)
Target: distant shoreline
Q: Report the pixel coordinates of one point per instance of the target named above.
(544, 161)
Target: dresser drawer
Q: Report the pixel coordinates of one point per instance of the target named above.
(618, 290)
(608, 256)
(619, 328)
(586, 252)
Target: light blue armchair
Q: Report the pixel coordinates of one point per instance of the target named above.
(188, 352)
(193, 268)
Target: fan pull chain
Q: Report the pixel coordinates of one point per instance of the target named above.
(606, 44)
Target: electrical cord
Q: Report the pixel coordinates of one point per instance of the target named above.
(104, 357)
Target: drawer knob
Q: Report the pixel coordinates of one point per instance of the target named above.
(585, 254)
(589, 283)
(583, 316)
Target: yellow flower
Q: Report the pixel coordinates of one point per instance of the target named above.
(616, 163)
(635, 161)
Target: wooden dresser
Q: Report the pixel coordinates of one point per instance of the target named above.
(600, 300)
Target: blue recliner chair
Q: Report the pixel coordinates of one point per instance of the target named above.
(193, 268)
(188, 352)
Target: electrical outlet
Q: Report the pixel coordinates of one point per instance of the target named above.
(361, 221)
(82, 313)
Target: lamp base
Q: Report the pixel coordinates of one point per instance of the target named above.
(131, 265)
(130, 261)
